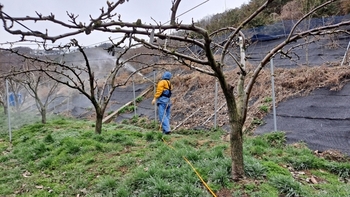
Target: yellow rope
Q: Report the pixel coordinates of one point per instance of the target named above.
(189, 163)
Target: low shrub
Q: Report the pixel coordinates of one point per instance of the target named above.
(253, 168)
(286, 185)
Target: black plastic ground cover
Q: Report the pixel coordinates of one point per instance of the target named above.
(321, 120)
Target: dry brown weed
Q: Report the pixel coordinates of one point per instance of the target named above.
(193, 91)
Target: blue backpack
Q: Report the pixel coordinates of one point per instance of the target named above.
(167, 92)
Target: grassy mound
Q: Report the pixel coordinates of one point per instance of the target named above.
(66, 158)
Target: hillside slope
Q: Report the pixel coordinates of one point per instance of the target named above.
(67, 158)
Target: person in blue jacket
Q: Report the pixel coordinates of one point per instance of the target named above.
(162, 97)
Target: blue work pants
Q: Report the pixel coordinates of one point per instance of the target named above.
(164, 116)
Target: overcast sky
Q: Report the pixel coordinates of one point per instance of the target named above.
(130, 11)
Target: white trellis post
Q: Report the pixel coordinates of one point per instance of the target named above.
(215, 99)
(8, 110)
(216, 102)
(67, 104)
(133, 89)
(273, 95)
(345, 55)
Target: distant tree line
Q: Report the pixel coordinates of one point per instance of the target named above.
(278, 10)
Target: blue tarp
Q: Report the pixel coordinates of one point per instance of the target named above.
(12, 99)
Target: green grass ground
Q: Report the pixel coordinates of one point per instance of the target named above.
(66, 158)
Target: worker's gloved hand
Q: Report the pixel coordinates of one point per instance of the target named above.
(154, 101)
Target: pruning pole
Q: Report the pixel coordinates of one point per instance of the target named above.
(154, 92)
(8, 110)
(273, 95)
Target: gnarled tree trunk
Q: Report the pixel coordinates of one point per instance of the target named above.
(98, 121)
(43, 115)
(236, 134)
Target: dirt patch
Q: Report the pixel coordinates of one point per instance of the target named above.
(123, 169)
(333, 155)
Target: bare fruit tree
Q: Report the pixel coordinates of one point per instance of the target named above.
(193, 46)
(41, 89)
(83, 76)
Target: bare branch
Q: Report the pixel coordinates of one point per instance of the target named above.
(174, 8)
